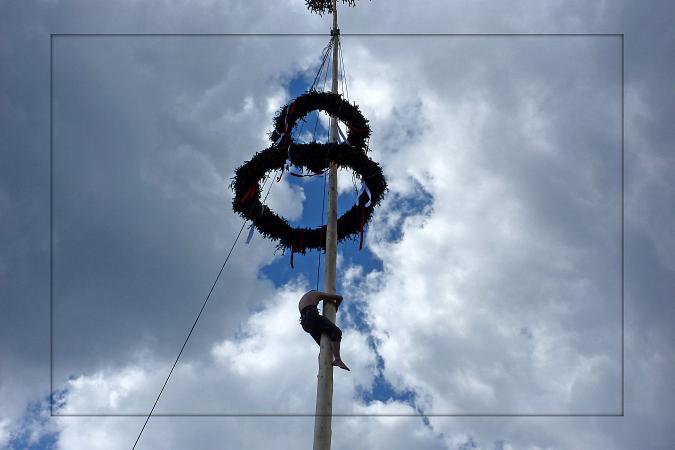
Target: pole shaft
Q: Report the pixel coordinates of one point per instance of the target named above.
(324, 388)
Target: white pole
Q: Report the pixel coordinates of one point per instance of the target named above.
(324, 388)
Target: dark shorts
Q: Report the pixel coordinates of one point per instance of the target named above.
(316, 324)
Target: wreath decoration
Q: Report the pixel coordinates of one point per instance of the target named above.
(315, 156)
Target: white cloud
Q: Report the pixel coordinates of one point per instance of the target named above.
(4, 432)
(482, 263)
(270, 367)
(270, 348)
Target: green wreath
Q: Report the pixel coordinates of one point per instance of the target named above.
(358, 130)
(314, 156)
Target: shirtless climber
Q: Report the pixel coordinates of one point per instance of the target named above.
(315, 324)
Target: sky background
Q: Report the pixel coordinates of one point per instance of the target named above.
(490, 279)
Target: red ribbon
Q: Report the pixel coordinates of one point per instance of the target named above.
(361, 223)
(291, 110)
(250, 193)
(297, 248)
(358, 130)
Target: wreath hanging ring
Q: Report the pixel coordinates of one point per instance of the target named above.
(316, 157)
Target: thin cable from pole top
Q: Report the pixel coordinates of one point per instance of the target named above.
(323, 197)
(345, 88)
(325, 68)
(324, 57)
(199, 314)
(325, 80)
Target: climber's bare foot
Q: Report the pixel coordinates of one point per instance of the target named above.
(340, 364)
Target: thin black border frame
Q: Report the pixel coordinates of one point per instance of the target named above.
(51, 220)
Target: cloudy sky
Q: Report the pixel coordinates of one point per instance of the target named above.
(485, 310)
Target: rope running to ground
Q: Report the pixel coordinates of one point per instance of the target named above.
(194, 324)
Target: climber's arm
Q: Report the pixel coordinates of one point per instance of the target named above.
(335, 298)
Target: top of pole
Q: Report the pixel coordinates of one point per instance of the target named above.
(325, 6)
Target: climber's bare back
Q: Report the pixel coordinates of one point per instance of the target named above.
(310, 298)
(314, 297)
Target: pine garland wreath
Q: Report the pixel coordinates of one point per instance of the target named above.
(325, 6)
(334, 105)
(315, 156)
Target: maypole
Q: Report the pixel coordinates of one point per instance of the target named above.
(324, 387)
(284, 154)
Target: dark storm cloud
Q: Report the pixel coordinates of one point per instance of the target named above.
(133, 253)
